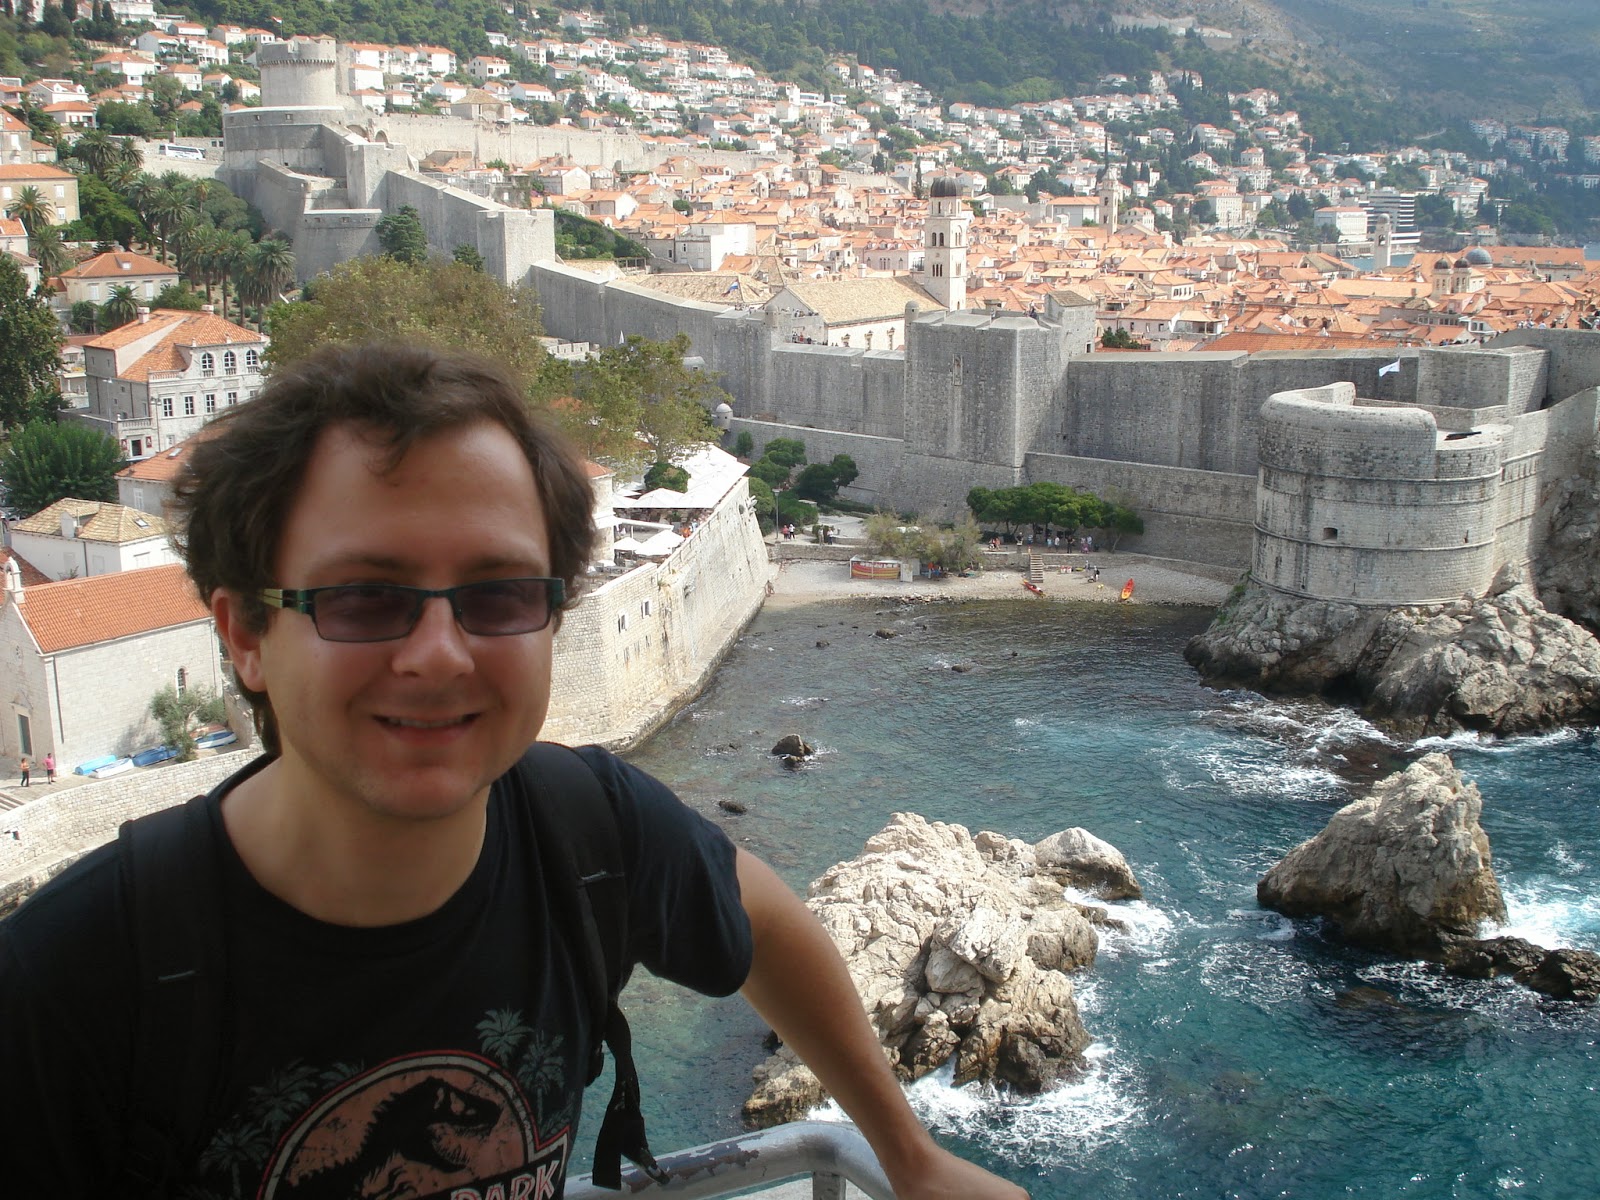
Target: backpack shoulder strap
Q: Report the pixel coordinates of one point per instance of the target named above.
(580, 848)
(170, 881)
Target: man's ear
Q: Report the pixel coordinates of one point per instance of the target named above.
(243, 643)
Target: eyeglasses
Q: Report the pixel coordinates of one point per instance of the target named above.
(384, 612)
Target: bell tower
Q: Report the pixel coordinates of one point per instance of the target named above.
(944, 267)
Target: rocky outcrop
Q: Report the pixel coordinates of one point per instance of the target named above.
(1407, 868)
(1563, 974)
(1568, 573)
(1500, 663)
(959, 947)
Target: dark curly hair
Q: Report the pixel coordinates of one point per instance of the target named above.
(244, 472)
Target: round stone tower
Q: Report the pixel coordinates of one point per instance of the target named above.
(303, 73)
(1373, 505)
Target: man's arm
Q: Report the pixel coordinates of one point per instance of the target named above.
(799, 984)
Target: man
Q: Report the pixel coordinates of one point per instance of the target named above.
(385, 537)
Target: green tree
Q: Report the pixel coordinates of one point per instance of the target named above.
(128, 120)
(744, 444)
(178, 714)
(821, 481)
(46, 462)
(30, 350)
(440, 304)
(179, 296)
(402, 237)
(468, 256)
(786, 452)
(671, 402)
(84, 317)
(766, 505)
(32, 209)
(121, 307)
(104, 214)
(666, 475)
(47, 250)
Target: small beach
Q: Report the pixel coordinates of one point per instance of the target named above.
(1162, 581)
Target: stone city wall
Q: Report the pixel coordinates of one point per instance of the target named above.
(1574, 363)
(1475, 378)
(877, 459)
(644, 643)
(1201, 516)
(52, 830)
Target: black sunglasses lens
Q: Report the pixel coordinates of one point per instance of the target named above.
(365, 613)
(504, 606)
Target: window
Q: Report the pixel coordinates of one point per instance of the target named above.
(166, 406)
(622, 622)
(1330, 534)
(230, 362)
(183, 681)
(208, 363)
(233, 398)
(646, 608)
(188, 406)
(211, 402)
(252, 359)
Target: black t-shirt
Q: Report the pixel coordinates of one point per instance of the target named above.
(440, 1057)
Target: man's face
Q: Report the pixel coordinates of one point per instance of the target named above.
(415, 728)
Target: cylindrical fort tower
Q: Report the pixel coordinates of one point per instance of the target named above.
(301, 73)
(1373, 505)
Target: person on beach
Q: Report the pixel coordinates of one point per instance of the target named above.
(387, 538)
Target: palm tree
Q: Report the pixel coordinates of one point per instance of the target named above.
(170, 206)
(269, 267)
(130, 153)
(187, 240)
(96, 151)
(231, 251)
(122, 307)
(84, 317)
(32, 209)
(46, 247)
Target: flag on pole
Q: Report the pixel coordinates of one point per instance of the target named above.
(1390, 369)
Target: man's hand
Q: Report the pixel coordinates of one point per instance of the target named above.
(940, 1175)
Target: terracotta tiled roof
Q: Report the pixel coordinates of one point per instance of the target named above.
(102, 608)
(100, 522)
(117, 263)
(34, 171)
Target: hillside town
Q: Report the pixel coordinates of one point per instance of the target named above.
(833, 213)
(1268, 242)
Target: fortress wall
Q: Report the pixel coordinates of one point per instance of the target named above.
(572, 303)
(637, 311)
(54, 829)
(365, 165)
(935, 487)
(423, 134)
(1514, 379)
(1203, 516)
(449, 214)
(619, 669)
(1370, 506)
(876, 458)
(1169, 410)
(1543, 449)
(838, 388)
(979, 386)
(291, 137)
(1574, 364)
(324, 239)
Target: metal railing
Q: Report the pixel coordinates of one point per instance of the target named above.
(830, 1154)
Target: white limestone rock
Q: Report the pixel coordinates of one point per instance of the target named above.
(1406, 868)
(958, 946)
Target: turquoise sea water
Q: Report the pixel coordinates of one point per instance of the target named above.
(1236, 1053)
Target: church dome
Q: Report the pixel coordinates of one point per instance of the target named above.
(1461, 264)
(1479, 257)
(944, 186)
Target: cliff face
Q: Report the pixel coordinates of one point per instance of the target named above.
(1501, 663)
(1568, 572)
